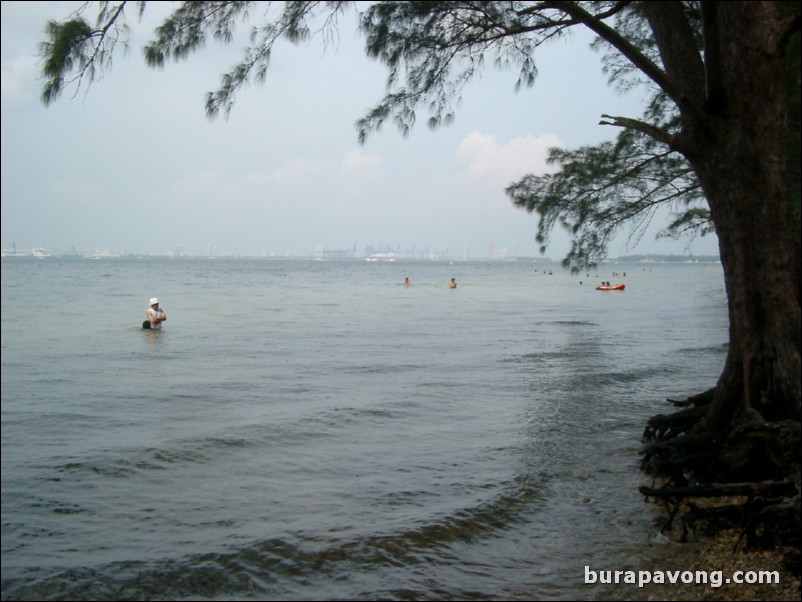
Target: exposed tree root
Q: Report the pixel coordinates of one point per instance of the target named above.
(700, 399)
(766, 488)
(748, 479)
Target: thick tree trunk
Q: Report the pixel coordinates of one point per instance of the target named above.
(737, 140)
(735, 134)
(740, 156)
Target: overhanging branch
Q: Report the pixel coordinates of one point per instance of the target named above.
(640, 126)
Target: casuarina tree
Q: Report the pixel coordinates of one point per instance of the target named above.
(718, 142)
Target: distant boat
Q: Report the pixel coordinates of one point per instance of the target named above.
(382, 257)
(611, 287)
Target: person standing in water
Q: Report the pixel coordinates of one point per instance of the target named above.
(154, 316)
(453, 283)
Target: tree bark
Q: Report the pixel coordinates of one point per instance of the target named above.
(739, 147)
(748, 441)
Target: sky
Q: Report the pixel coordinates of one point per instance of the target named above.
(132, 165)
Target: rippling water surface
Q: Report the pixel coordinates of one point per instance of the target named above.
(307, 430)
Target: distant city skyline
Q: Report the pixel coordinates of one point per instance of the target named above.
(370, 253)
(355, 250)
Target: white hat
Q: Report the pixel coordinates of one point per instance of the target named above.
(154, 301)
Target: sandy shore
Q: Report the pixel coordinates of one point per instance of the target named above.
(724, 552)
(711, 565)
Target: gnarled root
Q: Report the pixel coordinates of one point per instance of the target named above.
(748, 479)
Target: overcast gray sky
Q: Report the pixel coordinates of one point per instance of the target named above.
(134, 166)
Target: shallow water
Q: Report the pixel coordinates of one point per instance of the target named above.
(305, 430)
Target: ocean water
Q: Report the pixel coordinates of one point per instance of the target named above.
(314, 430)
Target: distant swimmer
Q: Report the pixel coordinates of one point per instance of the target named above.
(154, 316)
(453, 283)
(407, 281)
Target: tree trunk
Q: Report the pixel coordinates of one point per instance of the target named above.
(739, 151)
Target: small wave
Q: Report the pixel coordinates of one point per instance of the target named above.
(549, 356)
(705, 350)
(134, 461)
(275, 566)
(177, 456)
(580, 323)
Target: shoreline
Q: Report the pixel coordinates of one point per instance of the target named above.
(722, 551)
(699, 571)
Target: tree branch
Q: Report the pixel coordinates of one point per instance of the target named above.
(624, 46)
(645, 128)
